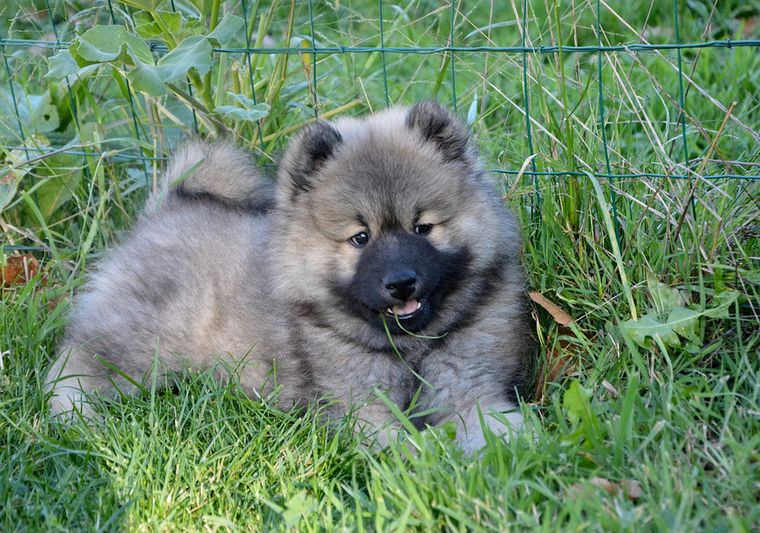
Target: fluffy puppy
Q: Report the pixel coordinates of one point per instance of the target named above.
(381, 260)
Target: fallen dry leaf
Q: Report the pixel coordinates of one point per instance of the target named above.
(632, 488)
(610, 388)
(19, 269)
(557, 313)
(750, 25)
(55, 301)
(606, 484)
(559, 361)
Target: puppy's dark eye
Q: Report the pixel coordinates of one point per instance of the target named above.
(422, 229)
(360, 239)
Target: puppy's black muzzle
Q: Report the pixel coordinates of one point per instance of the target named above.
(395, 268)
(398, 272)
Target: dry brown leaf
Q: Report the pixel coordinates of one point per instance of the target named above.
(750, 25)
(560, 360)
(19, 269)
(55, 301)
(632, 488)
(557, 313)
(558, 363)
(610, 388)
(609, 486)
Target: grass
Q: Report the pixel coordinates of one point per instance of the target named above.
(647, 414)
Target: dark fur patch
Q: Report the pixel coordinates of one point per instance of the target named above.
(259, 205)
(439, 126)
(305, 367)
(308, 152)
(316, 319)
(520, 381)
(455, 272)
(156, 293)
(486, 283)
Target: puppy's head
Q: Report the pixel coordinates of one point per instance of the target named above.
(387, 222)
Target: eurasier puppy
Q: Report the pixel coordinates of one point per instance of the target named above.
(382, 259)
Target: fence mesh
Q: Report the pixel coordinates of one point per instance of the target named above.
(660, 90)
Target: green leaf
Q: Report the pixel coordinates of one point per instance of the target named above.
(169, 20)
(229, 26)
(243, 100)
(121, 81)
(664, 298)
(246, 115)
(101, 44)
(147, 28)
(299, 506)
(723, 301)
(61, 65)
(147, 78)
(249, 111)
(155, 24)
(684, 322)
(43, 115)
(577, 406)
(8, 186)
(681, 322)
(192, 53)
(146, 5)
(648, 326)
(63, 173)
(36, 113)
(105, 44)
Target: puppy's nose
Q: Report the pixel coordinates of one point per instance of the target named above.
(401, 284)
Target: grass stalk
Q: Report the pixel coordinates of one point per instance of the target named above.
(610, 227)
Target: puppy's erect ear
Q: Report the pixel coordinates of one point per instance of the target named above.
(306, 153)
(439, 126)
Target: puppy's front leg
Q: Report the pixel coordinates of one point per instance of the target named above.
(501, 417)
(473, 396)
(377, 421)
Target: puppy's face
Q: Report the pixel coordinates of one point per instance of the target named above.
(388, 222)
(401, 279)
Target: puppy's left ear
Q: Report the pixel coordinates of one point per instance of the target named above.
(439, 126)
(307, 152)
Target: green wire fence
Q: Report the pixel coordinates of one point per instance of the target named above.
(554, 90)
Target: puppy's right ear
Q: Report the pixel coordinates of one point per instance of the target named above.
(439, 126)
(305, 155)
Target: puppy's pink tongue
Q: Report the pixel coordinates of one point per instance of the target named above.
(407, 309)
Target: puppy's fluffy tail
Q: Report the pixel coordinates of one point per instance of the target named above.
(220, 173)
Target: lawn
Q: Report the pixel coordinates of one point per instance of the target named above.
(634, 174)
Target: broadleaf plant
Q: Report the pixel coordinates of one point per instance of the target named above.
(671, 321)
(248, 111)
(190, 49)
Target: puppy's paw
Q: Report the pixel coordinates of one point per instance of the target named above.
(471, 435)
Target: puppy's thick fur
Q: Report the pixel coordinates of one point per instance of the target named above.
(382, 260)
